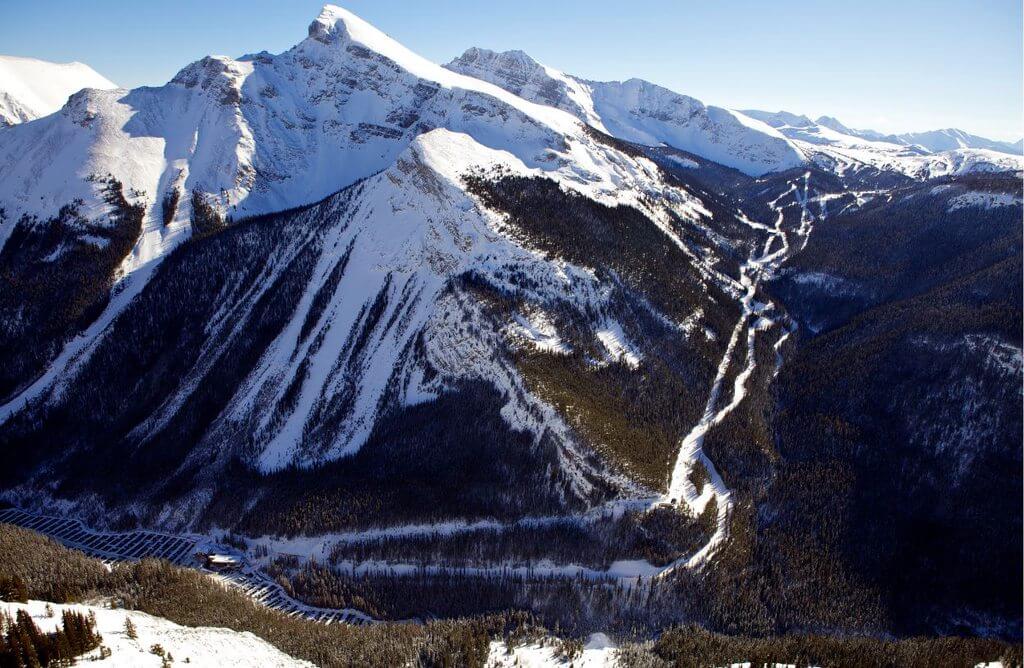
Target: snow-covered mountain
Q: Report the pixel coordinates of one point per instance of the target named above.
(31, 88)
(752, 141)
(639, 111)
(263, 133)
(951, 139)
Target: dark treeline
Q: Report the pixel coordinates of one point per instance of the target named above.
(159, 338)
(694, 646)
(574, 605)
(422, 463)
(169, 205)
(620, 239)
(206, 220)
(659, 536)
(633, 417)
(55, 279)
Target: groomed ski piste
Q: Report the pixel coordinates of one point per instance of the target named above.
(756, 318)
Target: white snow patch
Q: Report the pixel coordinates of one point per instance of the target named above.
(683, 162)
(618, 346)
(539, 331)
(828, 283)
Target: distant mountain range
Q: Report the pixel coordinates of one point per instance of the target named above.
(934, 141)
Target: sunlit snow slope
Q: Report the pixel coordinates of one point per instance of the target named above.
(31, 88)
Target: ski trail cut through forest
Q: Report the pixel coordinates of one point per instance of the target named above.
(691, 451)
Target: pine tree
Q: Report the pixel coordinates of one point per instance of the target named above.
(33, 638)
(129, 629)
(25, 633)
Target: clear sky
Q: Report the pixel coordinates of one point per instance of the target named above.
(890, 65)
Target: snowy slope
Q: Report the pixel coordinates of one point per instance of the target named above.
(395, 251)
(31, 88)
(198, 646)
(259, 134)
(639, 111)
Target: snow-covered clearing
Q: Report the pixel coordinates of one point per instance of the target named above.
(598, 652)
(199, 646)
(537, 329)
(984, 200)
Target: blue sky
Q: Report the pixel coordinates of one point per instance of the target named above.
(892, 65)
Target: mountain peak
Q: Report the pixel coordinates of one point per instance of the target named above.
(332, 24)
(475, 53)
(778, 119)
(336, 25)
(833, 123)
(476, 61)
